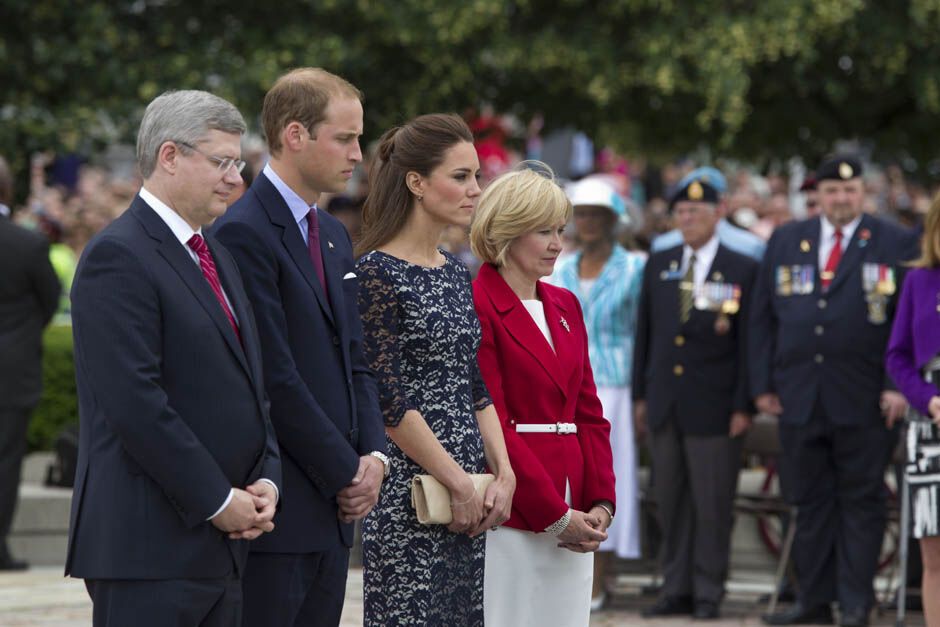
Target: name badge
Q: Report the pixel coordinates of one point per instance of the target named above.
(795, 280)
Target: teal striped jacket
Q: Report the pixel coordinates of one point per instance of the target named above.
(609, 312)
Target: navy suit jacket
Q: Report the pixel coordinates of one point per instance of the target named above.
(696, 370)
(324, 403)
(825, 346)
(172, 407)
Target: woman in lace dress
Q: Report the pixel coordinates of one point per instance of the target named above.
(421, 337)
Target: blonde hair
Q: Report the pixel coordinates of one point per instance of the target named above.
(515, 203)
(930, 240)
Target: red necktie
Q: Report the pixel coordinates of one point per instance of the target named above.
(313, 243)
(835, 256)
(198, 245)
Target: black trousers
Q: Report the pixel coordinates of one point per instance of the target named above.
(13, 423)
(295, 590)
(835, 477)
(694, 482)
(165, 603)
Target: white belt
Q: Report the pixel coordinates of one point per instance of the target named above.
(561, 428)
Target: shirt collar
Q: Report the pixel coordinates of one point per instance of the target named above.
(180, 228)
(704, 255)
(828, 230)
(297, 205)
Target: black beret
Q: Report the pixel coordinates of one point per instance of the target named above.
(696, 190)
(839, 168)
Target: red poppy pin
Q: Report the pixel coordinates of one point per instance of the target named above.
(863, 236)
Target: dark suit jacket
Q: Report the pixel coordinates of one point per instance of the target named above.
(29, 295)
(532, 384)
(822, 345)
(324, 403)
(172, 408)
(697, 370)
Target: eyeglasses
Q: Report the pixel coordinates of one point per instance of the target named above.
(224, 164)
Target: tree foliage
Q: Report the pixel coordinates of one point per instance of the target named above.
(746, 78)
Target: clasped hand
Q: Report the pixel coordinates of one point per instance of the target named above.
(358, 498)
(474, 514)
(586, 530)
(250, 512)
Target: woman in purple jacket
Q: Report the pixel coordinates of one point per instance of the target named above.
(913, 361)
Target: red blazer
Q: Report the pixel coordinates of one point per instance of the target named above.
(530, 383)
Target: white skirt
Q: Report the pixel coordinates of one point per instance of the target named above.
(623, 536)
(530, 581)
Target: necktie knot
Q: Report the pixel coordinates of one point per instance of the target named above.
(197, 243)
(838, 237)
(313, 220)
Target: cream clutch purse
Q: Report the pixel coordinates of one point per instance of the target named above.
(431, 499)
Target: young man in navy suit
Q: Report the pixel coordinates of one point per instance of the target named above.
(299, 271)
(178, 463)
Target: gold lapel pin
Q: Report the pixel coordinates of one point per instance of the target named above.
(804, 245)
(564, 323)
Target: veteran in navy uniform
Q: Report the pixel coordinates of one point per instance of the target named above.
(691, 394)
(820, 320)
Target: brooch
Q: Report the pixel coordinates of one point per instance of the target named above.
(564, 323)
(330, 244)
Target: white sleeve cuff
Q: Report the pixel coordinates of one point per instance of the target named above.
(228, 500)
(277, 493)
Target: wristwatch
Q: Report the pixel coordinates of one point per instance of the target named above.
(382, 457)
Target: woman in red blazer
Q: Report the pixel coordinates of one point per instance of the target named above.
(534, 360)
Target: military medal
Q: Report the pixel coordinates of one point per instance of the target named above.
(722, 324)
(863, 236)
(784, 282)
(877, 308)
(886, 285)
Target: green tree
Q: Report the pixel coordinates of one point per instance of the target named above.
(748, 79)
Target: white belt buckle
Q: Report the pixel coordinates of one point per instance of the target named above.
(564, 428)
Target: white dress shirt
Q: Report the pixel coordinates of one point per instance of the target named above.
(183, 232)
(827, 238)
(704, 257)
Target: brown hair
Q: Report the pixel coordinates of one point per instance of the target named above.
(301, 95)
(418, 146)
(930, 240)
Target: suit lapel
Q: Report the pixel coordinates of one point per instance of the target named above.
(560, 320)
(188, 270)
(332, 268)
(279, 214)
(520, 325)
(236, 298)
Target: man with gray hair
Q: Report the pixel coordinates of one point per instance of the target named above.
(178, 465)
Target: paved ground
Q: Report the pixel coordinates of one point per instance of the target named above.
(42, 597)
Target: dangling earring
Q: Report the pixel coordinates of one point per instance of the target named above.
(420, 198)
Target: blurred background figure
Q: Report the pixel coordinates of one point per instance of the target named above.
(29, 296)
(606, 278)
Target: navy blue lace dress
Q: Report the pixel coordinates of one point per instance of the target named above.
(421, 335)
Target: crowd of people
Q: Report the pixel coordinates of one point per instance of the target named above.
(268, 350)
